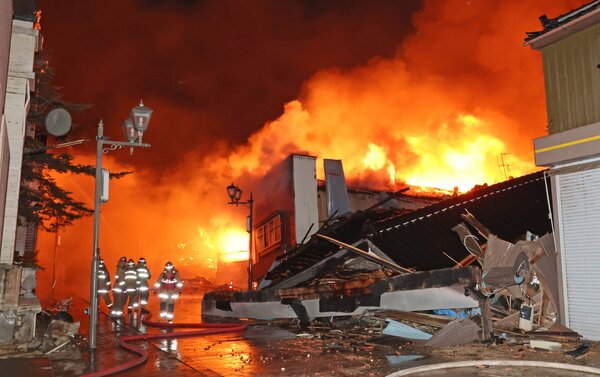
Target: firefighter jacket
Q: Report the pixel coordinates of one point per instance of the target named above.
(130, 279)
(169, 281)
(103, 279)
(119, 286)
(143, 275)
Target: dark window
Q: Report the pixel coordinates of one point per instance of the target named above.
(269, 233)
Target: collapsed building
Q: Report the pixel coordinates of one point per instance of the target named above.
(438, 257)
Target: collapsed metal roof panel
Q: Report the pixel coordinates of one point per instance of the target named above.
(459, 331)
(348, 230)
(420, 239)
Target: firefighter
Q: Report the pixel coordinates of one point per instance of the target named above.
(118, 289)
(104, 283)
(169, 287)
(130, 286)
(143, 275)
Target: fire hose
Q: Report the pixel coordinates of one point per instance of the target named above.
(124, 342)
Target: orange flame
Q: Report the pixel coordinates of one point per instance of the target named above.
(220, 244)
(467, 118)
(234, 244)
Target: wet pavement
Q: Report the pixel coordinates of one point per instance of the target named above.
(109, 354)
(278, 348)
(27, 366)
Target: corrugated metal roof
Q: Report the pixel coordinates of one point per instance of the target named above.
(419, 239)
(458, 332)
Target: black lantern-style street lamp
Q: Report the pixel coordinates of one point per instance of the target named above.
(235, 195)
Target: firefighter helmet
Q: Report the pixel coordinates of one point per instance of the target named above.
(142, 260)
(130, 263)
(168, 266)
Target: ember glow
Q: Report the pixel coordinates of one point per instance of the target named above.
(221, 244)
(234, 245)
(456, 105)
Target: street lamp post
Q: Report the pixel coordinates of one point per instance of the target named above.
(235, 194)
(134, 129)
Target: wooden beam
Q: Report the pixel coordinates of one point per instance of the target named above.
(509, 322)
(316, 269)
(482, 229)
(364, 254)
(486, 319)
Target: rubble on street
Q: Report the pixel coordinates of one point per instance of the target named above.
(477, 272)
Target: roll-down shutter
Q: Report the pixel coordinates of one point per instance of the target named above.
(579, 224)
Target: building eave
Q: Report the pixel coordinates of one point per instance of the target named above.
(565, 30)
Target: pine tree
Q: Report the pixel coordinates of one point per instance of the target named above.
(42, 201)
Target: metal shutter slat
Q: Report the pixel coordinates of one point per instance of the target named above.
(579, 218)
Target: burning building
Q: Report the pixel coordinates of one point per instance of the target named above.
(292, 205)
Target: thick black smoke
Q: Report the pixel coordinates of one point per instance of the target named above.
(213, 71)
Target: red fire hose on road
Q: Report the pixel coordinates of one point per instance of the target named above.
(206, 329)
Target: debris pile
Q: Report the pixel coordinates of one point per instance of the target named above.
(56, 326)
(470, 269)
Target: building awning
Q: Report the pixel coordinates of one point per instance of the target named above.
(567, 146)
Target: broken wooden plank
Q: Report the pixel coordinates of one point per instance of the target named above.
(330, 288)
(556, 331)
(510, 322)
(313, 271)
(466, 261)
(446, 277)
(487, 328)
(545, 266)
(364, 254)
(450, 257)
(503, 276)
(481, 229)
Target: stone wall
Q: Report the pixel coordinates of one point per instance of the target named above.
(18, 308)
(10, 287)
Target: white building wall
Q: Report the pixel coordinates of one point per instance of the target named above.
(6, 11)
(5, 31)
(306, 210)
(24, 42)
(4, 169)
